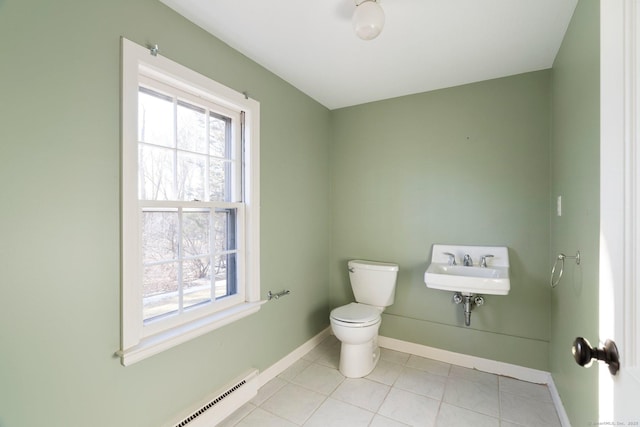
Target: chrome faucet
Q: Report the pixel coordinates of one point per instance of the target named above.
(483, 263)
(467, 261)
(452, 258)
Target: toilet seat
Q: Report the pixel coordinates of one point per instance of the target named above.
(355, 315)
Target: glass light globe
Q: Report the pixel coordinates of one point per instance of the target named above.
(368, 20)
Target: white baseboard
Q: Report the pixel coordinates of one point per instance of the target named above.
(562, 414)
(458, 359)
(464, 360)
(219, 405)
(210, 412)
(485, 365)
(277, 368)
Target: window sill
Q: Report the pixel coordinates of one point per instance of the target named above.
(155, 344)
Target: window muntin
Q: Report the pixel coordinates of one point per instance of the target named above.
(189, 174)
(188, 155)
(175, 162)
(189, 259)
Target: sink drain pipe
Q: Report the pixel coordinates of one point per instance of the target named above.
(469, 300)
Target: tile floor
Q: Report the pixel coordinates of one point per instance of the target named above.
(403, 390)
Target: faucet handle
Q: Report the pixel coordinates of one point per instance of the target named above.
(452, 258)
(483, 261)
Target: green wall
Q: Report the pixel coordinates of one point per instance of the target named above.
(467, 165)
(59, 227)
(476, 164)
(575, 176)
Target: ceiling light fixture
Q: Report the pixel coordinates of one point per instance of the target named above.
(368, 19)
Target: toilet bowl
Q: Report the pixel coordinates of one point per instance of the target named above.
(356, 327)
(356, 324)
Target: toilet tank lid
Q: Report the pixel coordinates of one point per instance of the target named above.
(373, 265)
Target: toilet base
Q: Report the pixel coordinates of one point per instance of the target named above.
(358, 360)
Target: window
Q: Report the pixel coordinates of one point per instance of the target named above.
(190, 198)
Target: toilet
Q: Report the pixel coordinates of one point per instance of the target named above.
(356, 324)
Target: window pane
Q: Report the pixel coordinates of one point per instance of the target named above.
(191, 173)
(191, 128)
(225, 275)
(159, 236)
(197, 281)
(218, 174)
(195, 233)
(219, 135)
(225, 230)
(160, 290)
(155, 118)
(155, 166)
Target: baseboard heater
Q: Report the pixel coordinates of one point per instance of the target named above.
(218, 406)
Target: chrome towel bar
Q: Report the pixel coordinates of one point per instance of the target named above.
(271, 295)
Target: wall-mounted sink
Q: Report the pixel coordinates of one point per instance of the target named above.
(470, 279)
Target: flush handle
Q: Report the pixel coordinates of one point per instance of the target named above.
(584, 354)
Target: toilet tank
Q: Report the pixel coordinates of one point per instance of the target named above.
(373, 283)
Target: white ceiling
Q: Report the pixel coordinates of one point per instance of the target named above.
(425, 44)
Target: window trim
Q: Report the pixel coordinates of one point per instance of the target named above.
(137, 345)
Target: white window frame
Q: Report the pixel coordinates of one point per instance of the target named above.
(139, 341)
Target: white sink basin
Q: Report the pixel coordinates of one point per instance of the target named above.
(492, 279)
